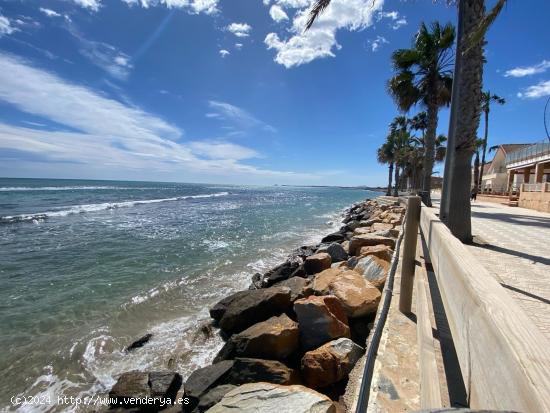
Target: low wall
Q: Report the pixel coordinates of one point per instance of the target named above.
(503, 357)
(539, 201)
(498, 199)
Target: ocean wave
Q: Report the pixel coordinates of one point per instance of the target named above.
(60, 188)
(80, 209)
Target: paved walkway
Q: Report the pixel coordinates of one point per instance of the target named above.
(514, 245)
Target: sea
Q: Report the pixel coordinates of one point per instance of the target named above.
(87, 267)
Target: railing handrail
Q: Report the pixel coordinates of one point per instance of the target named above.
(504, 358)
(536, 149)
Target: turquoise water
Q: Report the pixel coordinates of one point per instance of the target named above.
(88, 266)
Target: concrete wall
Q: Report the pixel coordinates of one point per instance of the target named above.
(539, 201)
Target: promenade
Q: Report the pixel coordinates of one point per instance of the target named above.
(513, 244)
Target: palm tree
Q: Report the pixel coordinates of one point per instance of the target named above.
(486, 99)
(424, 76)
(477, 174)
(400, 136)
(385, 155)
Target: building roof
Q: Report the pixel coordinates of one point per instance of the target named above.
(511, 147)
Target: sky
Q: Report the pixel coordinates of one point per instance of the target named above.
(234, 91)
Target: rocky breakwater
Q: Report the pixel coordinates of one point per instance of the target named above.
(292, 339)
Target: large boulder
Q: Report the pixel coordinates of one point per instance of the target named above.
(373, 269)
(299, 287)
(253, 307)
(221, 306)
(357, 296)
(334, 237)
(207, 377)
(362, 231)
(276, 338)
(366, 240)
(213, 396)
(381, 226)
(337, 252)
(134, 385)
(381, 251)
(250, 370)
(317, 262)
(282, 271)
(320, 319)
(330, 363)
(271, 398)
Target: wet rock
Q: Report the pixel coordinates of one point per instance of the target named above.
(281, 272)
(140, 342)
(207, 377)
(337, 252)
(304, 251)
(256, 282)
(267, 397)
(317, 263)
(383, 252)
(213, 396)
(320, 319)
(330, 363)
(276, 338)
(374, 270)
(220, 308)
(140, 384)
(366, 240)
(334, 237)
(253, 307)
(250, 370)
(357, 296)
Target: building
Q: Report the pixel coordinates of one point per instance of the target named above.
(495, 173)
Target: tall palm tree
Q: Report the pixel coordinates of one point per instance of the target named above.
(385, 155)
(424, 76)
(477, 174)
(400, 136)
(486, 100)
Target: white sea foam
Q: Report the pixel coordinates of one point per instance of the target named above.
(60, 188)
(80, 209)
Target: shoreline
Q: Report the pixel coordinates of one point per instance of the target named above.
(266, 327)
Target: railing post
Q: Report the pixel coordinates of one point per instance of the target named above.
(409, 254)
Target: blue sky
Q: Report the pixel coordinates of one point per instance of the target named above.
(232, 91)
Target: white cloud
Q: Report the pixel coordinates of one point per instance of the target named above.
(377, 43)
(49, 12)
(89, 4)
(108, 135)
(224, 53)
(277, 13)
(239, 116)
(238, 46)
(396, 21)
(528, 70)
(239, 29)
(320, 41)
(5, 26)
(536, 91)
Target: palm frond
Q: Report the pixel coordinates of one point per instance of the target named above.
(317, 9)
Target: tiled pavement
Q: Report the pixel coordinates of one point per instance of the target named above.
(514, 245)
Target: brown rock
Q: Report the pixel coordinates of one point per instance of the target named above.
(330, 363)
(362, 230)
(381, 251)
(317, 263)
(276, 338)
(357, 296)
(320, 319)
(365, 240)
(299, 287)
(381, 227)
(250, 370)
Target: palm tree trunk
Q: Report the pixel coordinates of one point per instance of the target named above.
(467, 122)
(429, 150)
(396, 183)
(390, 173)
(480, 180)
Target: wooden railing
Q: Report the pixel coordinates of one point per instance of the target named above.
(504, 358)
